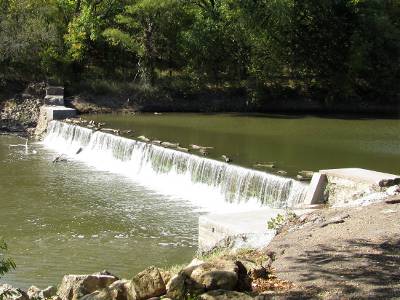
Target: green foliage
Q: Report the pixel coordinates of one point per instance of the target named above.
(331, 51)
(277, 222)
(6, 263)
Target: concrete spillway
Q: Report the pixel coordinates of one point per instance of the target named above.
(163, 169)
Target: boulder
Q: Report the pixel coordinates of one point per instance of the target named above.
(219, 274)
(176, 287)
(118, 290)
(74, 287)
(48, 292)
(10, 293)
(34, 292)
(253, 269)
(224, 295)
(146, 284)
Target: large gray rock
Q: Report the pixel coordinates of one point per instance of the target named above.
(224, 295)
(74, 287)
(116, 291)
(220, 274)
(199, 277)
(48, 292)
(10, 293)
(146, 284)
(34, 292)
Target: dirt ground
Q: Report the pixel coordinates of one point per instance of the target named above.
(348, 253)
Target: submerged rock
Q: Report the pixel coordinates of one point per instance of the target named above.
(269, 165)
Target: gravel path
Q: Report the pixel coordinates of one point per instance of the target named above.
(351, 253)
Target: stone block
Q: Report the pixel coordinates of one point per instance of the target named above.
(55, 91)
(54, 100)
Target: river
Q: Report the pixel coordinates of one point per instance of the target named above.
(92, 213)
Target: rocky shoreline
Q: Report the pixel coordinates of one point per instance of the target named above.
(20, 114)
(224, 276)
(336, 253)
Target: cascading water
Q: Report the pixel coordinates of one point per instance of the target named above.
(174, 172)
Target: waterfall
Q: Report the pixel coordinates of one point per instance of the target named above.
(167, 169)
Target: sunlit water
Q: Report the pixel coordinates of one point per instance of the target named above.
(70, 218)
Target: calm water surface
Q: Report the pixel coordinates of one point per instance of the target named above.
(292, 143)
(68, 218)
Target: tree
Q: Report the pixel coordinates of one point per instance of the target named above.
(27, 31)
(150, 30)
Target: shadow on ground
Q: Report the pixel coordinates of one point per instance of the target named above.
(359, 269)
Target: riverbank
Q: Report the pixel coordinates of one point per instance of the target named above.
(342, 253)
(108, 96)
(219, 101)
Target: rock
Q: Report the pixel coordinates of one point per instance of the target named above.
(393, 199)
(182, 149)
(203, 152)
(335, 220)
(224, 295)
(265, 165)
(75, 286)
(302, 178)
(169, 145)
(33, 292)
(244, 280)
(306, 174)
(197, 147)
(48, 292)
(281, 172)
(254, 270)
(393, 190)
(110, 130)
(389, 182)
(11, 293)
(220, 274)
(157, 142)
(226, 158)
(176, 287)
(147, 284)
(200, 276)
(143, 138)
(118, 290)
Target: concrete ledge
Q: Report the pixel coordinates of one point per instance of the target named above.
(316, 189)
(347, 185)
(245, 229)
(359, 175)
(59, 112)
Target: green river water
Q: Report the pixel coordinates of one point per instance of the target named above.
(293, 143)
(70, 218)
